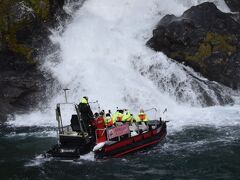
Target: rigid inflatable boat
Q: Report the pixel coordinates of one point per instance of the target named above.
(75, 140)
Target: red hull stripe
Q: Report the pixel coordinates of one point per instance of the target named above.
(139, 147)
(118, 145)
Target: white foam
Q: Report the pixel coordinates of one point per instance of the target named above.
(217, 116)
(88, 157)
(99, 51)
(37, 161)
(36, 118)
(219, 3)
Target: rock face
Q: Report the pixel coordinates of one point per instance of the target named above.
(204, 38)
(24, 31)
(234, 5)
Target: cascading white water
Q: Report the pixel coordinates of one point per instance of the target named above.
(103, 52)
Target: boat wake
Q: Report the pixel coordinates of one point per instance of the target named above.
(39, 160)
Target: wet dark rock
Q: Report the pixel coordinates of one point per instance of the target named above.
(24, 36)
(234, 5)
(205, 39)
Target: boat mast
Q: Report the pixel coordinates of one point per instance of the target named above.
(65, 92)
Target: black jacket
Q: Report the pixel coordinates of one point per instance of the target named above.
(86, 112)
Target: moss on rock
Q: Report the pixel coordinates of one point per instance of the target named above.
(220, 43)
(40, 7)
(11, 21)
(212, 43)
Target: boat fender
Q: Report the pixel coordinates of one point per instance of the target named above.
(98, 146)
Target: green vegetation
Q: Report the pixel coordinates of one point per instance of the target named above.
(212, 43)
(40, 7)
(8, 28)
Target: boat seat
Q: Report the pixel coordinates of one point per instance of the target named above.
(143, 126)
(133, 127)
(75, 123)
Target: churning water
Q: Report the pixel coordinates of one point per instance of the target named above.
(103, 55)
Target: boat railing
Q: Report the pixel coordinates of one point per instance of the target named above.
(116, 132)
(67, 129)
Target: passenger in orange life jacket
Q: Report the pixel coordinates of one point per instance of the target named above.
(117, 116)
(108, 120)
(142, 117)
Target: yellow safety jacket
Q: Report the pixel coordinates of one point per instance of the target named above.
(117, 116)
(127, 117)
(142, 117)
(108, 121)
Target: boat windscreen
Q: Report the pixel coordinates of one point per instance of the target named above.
(67, 110)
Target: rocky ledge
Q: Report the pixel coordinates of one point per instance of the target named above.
(234, 5)
(203, 38)
(24, 31)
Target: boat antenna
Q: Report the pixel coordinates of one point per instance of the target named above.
(165, 114)
(99, 108)
(65, 92)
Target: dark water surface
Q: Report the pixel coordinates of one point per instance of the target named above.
(192, 153)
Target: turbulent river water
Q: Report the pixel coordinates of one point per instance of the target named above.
(102, 54)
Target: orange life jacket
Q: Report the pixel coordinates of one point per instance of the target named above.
(108, 122)
(100, 130)
(119, 118)
(142, 116)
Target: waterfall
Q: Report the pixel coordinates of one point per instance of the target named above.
(103, 55)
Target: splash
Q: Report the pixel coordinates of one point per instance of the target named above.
(39, 160)
(103, 55)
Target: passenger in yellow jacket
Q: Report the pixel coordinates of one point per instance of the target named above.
(117, 116)
(127, 116)
(142, 117)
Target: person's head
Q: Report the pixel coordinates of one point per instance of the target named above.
(102, 112)
(120, 111)
(96, 114)
(141, 111)
(84, 100)
(85, 97)
(108, 115)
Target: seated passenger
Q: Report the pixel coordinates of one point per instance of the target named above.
(142, 117)
(127, 116)
(117, 116)
(108, 120)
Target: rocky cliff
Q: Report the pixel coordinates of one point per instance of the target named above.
(204, 38)
(24, 31)
(234, 5)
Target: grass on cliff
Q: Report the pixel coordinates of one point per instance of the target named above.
(212, 43)
(8, 28)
